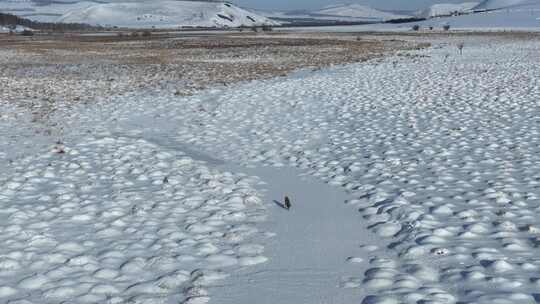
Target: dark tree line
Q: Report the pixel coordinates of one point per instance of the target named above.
(10, 20)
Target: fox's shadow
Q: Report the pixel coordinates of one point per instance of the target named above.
(280, 204)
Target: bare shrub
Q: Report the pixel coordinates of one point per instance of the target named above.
(460, 47)
(27, 33)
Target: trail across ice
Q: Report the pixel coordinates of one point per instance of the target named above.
(310, 257)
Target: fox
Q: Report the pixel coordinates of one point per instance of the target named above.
(287, 203)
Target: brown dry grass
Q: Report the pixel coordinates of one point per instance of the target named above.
(194, 61)
(46, 73)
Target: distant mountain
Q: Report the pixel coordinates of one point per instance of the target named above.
(140, 14)
(447, 9)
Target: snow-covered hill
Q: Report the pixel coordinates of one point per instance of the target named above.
(142, 14)
(334, 14)
(166, 14)
(447, 9)
(41, 12)
(513, 17)
(355, 11)
(500, 4)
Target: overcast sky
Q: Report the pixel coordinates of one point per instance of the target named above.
(309, 4)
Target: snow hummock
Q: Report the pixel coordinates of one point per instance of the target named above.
(118, 219)
(166, 14)
(447, 9)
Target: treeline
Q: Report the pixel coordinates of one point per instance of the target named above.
(299, 22)
(10, 20)
(405, 20)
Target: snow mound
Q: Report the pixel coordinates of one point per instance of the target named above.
(166, 14)
(499, 4)
(356, 11)
(447, 9)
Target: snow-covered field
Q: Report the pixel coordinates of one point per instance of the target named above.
(429, 160)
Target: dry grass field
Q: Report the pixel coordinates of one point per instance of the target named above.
(90, 68)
